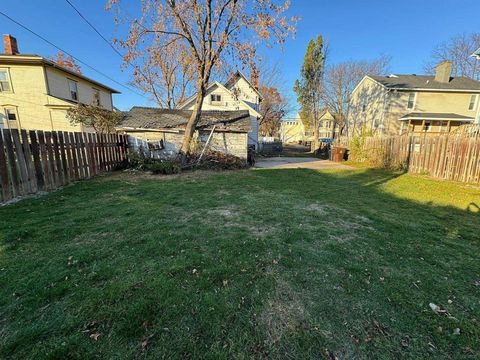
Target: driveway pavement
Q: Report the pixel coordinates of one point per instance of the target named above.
(298, 163)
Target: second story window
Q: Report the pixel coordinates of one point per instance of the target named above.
(215, 98)
(72, 87)
(473, 102)
(4, 80)
(411, 100)
(96, 97)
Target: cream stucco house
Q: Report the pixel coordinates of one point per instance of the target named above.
(36, 92)
(238, 93)
(294, 131)
(398, 104)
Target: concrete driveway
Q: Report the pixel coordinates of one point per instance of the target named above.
(298, 163)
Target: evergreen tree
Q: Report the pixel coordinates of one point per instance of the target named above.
(310, 85)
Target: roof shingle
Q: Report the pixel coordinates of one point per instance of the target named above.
(427, 82)
(156, 118)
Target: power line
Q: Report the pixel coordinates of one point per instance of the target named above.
(74, 57)
(94, 28)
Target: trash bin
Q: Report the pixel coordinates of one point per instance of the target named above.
(338, 154)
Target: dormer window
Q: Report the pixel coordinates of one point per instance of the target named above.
(72, 86)
(215, 98)
(411, 100)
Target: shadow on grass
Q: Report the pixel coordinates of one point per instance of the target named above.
(252, 264)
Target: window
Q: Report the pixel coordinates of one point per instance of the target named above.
(96, 97)
(215, 98)
(411, 100)
(443, 126)
(11, 115)
(72, 86)
(4, 80)
(364, 105)
(473, 102)
(427, 126)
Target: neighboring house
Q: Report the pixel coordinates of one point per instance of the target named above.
(327, 128)
(398, 104)
(238, 93)
(162, 130)
(477, 54)
(292, 130)
(35, 92)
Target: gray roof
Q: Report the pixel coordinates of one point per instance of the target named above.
(436, 116)
(156, 118)
(427, 82)
(477, 53)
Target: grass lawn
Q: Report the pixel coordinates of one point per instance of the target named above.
(277, 264)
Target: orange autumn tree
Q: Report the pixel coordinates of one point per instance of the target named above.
(66, 62)
(210, 33)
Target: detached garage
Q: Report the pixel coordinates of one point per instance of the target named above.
(160, 131)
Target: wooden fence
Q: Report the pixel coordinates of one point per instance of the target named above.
(454, 156)
(32, 161)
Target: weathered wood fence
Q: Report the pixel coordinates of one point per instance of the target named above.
(448, 156)
(32, 161)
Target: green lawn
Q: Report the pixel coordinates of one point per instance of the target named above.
(277, 264)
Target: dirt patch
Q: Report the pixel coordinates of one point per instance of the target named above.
(283, 314)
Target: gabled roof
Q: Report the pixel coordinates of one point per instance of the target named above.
(426, 82)
(436, 116)
(216, 83)
(23, 59)
(157, 119)
(233, 79)
(477, 53)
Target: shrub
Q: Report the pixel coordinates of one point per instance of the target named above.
(163, 167)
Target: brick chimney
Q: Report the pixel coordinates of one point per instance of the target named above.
(10, 42)
(443, 71)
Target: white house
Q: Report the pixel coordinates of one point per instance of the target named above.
(238, 93)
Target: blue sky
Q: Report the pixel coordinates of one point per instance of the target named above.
(406, 30)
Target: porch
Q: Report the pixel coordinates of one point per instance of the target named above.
(432, 123)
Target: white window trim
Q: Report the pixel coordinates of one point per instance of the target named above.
(475, 104)
(95, 91)
(414, 100)
(9, 78)
(215, 101)
(70, 92)
(8, 121)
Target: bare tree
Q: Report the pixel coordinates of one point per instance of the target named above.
(167, 77)
(340, 80)
(458, 49)
(209, 33)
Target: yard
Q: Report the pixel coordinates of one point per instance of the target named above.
(276, 264)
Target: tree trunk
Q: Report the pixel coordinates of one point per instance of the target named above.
(192, 124)
(316, 136)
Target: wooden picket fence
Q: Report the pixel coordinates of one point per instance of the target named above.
(33, 161)
(454, 156)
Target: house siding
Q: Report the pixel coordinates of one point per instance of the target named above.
(36, 95)
(225, 142)
(227, 103)
(58, 84)
(387, 107)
